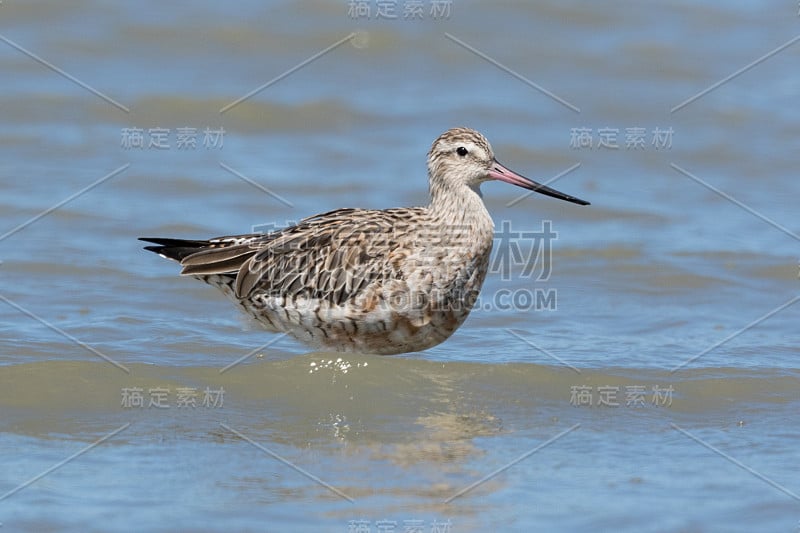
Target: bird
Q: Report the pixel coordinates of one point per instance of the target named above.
(382, 282)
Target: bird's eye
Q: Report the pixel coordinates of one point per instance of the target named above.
(461, 151)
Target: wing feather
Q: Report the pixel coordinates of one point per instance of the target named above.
(333, 256)
(227, 260)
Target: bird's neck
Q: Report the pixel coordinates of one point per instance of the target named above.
(461, 206)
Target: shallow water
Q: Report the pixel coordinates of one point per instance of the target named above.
(654, 386)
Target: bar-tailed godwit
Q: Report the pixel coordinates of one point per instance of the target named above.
(361, 280)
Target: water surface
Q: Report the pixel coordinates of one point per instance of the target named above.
(659, 393)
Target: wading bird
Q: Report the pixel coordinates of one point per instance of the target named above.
(362, 280)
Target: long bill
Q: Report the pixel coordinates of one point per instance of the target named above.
(499, 172)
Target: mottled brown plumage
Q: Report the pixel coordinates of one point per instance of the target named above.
(375, 281)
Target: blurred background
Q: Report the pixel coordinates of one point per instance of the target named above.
(655, 386)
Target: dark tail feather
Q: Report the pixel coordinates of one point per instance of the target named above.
(175, 249)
